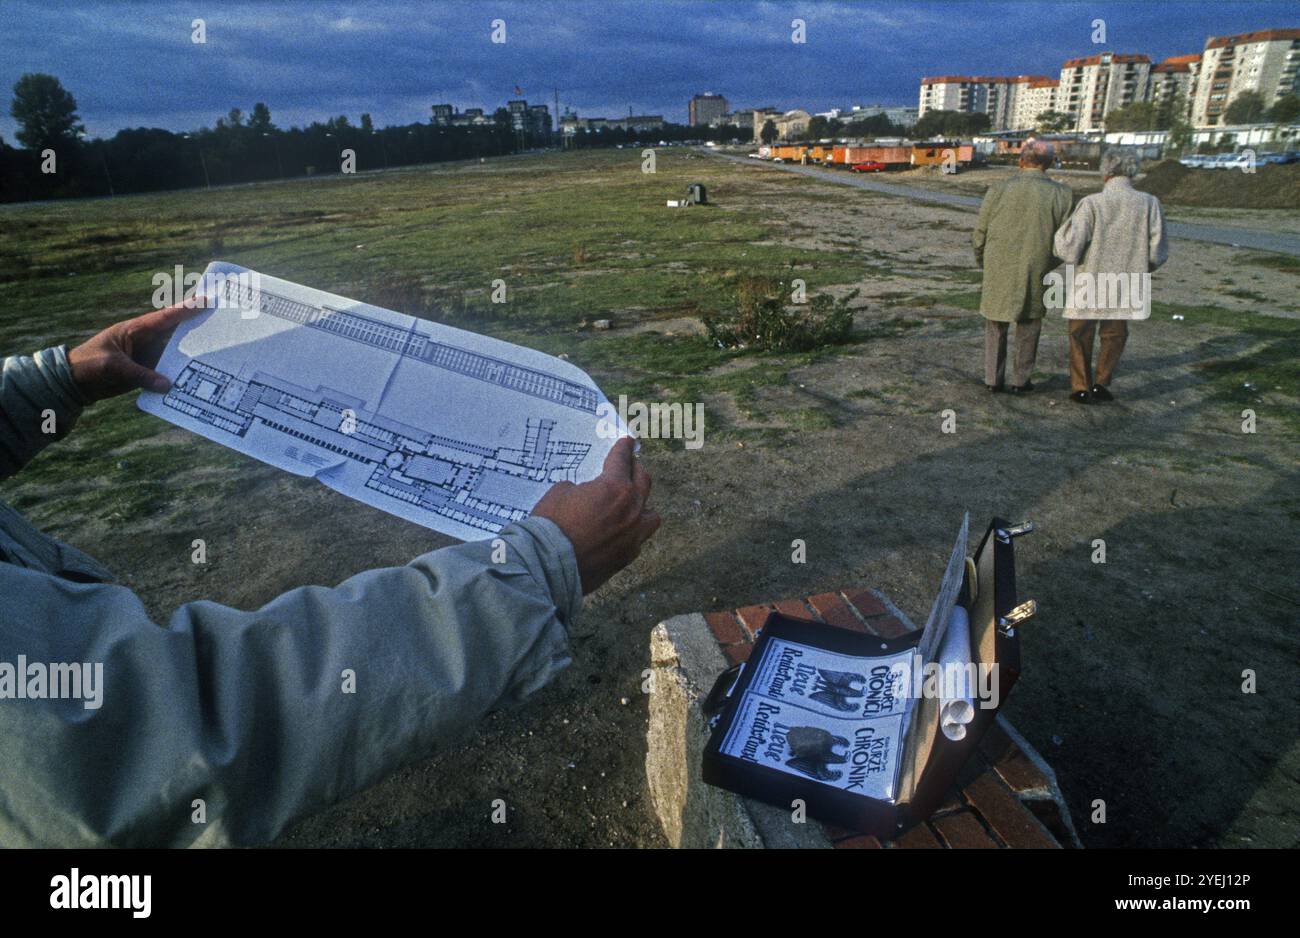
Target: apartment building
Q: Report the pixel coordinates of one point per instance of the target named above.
(1031, 99)
(705, 108)
(1264, 62)
(1093, 86)
(1000, 97)
(1174, 80)
(949, 93)
(903, 116)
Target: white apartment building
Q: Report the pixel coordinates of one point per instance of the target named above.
(1264, 62)
(1031, 99)
(1093, 86)
(1174, 79)
(996, 96)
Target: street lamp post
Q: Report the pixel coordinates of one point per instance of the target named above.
(276, 147)
(103, 159)
(202, 162)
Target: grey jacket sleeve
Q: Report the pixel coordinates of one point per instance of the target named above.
(1072, 238)
(1159, 246)
(39, 403)
(979, 236)
(222, 726)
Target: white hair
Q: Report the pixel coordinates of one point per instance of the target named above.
(1120, 161)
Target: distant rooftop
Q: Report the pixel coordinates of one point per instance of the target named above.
(1262, 35)
(1116, 58)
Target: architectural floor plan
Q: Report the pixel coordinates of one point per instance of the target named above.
(452, 430)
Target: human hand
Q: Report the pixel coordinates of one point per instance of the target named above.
(605, 519)
(123, 356)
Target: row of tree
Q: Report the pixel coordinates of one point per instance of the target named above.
(1249, 107)
(57, 160)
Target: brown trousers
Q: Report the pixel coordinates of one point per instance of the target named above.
(995, 351)
(1114, 333)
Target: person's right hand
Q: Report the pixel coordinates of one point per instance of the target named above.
(605, 519)
(123, 357)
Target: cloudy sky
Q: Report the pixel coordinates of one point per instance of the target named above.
(134, 63)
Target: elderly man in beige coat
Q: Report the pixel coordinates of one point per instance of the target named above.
(1110, 245)
(1013, 243)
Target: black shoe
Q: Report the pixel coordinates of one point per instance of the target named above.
(994, 388)
(1081, 397)
(1022, 388)
(1099, 393)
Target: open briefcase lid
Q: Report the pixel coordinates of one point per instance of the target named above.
(847, 723)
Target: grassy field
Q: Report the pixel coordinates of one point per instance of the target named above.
(1133, 671)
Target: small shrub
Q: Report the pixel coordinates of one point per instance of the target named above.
(765, 319)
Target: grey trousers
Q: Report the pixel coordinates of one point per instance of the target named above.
(1024, 353)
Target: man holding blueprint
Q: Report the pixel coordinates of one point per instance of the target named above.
(244, 711)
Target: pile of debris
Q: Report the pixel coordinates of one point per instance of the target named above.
(1268, 186)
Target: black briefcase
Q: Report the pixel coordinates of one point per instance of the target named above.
(815, 714)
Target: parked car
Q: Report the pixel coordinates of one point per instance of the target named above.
(870, 166)
(1243, 160)
(1279, 159)
(1195, 161)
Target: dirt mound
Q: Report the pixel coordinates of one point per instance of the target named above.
(1267, 187)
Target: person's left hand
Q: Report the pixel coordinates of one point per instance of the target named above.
(123, 356)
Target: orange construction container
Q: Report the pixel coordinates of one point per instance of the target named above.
(932, 154)
(890, 156)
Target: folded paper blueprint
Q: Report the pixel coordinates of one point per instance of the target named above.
(455, 431)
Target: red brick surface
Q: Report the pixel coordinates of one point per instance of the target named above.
(865, 602)
(1011, 764)
(889, 627)
(795, 608)
(753, 617)
(736, 653)
(725, 627)
(963, 831)
(989, 815)
(832, 609)
(1014, 824)
(918, 836)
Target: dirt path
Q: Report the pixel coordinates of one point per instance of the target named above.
(1258, 239)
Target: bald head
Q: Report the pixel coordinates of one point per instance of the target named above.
(1037, 154)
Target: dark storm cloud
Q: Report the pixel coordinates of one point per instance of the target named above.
(133, 64)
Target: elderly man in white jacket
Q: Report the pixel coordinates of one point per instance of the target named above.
(1110, 246)
(241, 709)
